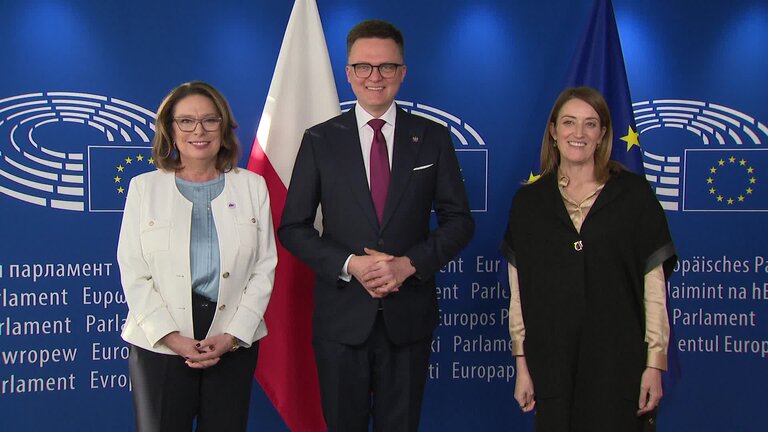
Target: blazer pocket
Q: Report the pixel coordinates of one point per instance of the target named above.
(248, 231)
(155, 235)
(423, 179)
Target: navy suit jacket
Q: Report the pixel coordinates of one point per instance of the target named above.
(329, 172)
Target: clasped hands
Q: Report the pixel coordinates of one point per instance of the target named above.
(199, 354)
(380, 273)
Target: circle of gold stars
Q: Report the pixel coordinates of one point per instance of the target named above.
(121, 169)
(725, 164)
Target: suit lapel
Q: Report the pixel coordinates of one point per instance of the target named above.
(346, 146)
(408, 139)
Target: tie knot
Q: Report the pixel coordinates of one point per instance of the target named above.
(376, 124)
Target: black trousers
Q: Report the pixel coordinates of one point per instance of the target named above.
(169, 396)
(563, 415)
(376, 378)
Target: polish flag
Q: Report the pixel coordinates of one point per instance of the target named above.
(302, 94)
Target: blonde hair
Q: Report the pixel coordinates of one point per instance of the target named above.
(550, 157)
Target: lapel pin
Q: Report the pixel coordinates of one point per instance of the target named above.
(415, 139)
(231, 205)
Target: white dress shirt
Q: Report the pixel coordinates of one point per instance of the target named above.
(366, 141)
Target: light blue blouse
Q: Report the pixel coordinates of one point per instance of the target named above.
(204, 256)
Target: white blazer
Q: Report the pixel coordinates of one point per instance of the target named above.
(153, 255)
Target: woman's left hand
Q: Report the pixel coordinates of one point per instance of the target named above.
(210, 351)
(650, 391)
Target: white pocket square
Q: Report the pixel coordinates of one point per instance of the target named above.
(422, 167)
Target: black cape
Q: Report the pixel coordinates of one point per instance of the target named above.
(582, 293)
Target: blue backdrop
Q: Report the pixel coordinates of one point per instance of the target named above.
(80, 80)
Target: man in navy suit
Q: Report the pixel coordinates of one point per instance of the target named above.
(376, 258)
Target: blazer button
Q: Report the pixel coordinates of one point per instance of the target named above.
(151, 223)
(253, 220)
(225, 275)
(222, 307)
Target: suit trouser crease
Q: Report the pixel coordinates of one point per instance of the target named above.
(376, 377)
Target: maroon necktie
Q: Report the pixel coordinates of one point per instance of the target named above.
(379, 168)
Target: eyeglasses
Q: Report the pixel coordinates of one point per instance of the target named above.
(364, 70)
(189, 124)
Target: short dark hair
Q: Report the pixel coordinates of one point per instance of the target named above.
(164, 150)
(375, 29)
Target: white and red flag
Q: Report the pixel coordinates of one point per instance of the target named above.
(302, 94)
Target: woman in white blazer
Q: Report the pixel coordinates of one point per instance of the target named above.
(197, 260)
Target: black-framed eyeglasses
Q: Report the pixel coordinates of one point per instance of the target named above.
(386, 70)
(189, 124)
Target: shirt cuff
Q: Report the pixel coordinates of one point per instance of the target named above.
(657, 360)
(517, 348)
(344, 275)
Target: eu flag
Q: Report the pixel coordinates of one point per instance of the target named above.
(111, 169)
(725, 180)
(599, 63)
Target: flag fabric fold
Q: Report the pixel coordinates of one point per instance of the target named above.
(599, 63)
(302, 93)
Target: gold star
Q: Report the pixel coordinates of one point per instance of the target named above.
(752, 180)
(120, 190)
(710, 180)
(532, 177)
(117, 179)
(732, 159)
(713, 170)
(741, 198)
(742, 162)
(151, 161)
(749, 191)
(730, 201)
(139, 158)
(128, 160)
(631, 138)
(750, 170)
(119, 168)
(719, 198)
(712, 191)
(721, 162)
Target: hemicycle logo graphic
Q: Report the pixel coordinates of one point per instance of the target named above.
(72, 151)
(471, 151)
(723, 161)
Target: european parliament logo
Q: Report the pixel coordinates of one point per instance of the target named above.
(471, 151)
(72, 151)
(722, 165)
